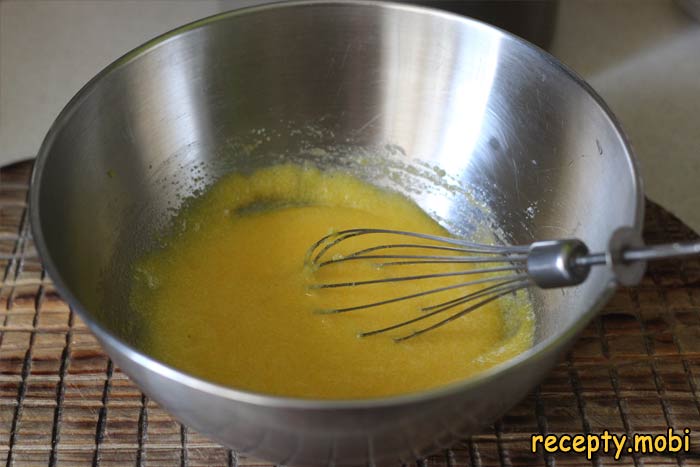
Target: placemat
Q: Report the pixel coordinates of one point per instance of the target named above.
(635, 369)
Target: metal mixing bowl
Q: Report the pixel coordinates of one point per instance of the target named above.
(472, 123)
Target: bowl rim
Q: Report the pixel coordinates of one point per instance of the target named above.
(126, 351)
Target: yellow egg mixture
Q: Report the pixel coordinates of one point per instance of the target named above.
(228, 296)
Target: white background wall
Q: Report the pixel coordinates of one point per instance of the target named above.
(643, 56)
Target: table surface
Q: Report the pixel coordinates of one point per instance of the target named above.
(635, 369)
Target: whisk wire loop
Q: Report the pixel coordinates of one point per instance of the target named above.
(500, 279)
(493, 296)
(322, 246)
(469, 272)
(545, 264)
(510, 260)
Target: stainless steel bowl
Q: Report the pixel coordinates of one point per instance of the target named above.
(414, 91)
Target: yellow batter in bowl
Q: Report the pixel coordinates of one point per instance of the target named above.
(227, 296)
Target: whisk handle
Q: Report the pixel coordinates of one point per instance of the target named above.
(664, 251)
(565, 263)
(627, 255)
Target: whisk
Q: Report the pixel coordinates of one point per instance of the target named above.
(545, 264)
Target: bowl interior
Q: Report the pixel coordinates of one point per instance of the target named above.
(478, 127)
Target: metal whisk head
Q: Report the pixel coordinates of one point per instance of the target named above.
(501, 270)
(504, 267)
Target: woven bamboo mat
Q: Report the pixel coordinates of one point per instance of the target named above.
(636, 368)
